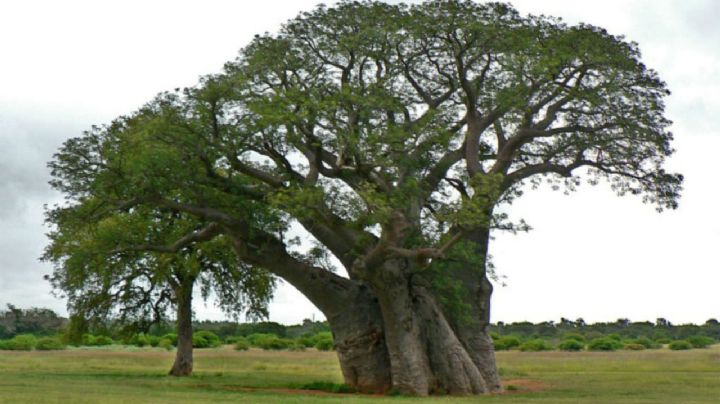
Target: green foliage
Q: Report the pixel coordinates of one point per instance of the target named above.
(258, 338)
(172, 337)
(680, 345)
(573, 336)
(206, 339)
(700, 341)
(507, 342)
(604, 344)
(646, 342)
(241, 344)
(49, 344)
(88, 340)
(634, 347)
(103, 340)
(166, 343)
(571, 345)
(535, 345)
(351, 118)
(325, 345)
(233, 339)
(139, 340)
(22, 342)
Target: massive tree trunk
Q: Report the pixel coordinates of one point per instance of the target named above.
(426, 355)
(184, 356)
(389, 330)
(349, 306)
(473, 330)
(360, 341)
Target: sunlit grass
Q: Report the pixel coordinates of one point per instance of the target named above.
(123, 375)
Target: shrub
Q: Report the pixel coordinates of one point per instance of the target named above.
(663, 340)
(680, 345)
(495, 336)
(276, 343)
(23, 342)
(49, 344)
(646, 342)
(242, 344)
(166, 343)
(536, 345)
(700, 341)
(256, 340)
(573, 336)
(103, 340)
(571, 345)
(615, 337)
(507, 342)
(604, 344)
(88, 340)
(172, 337)
(296, 346)
(325, 345)
(634, 347)
(153, 340)
(139, 340)
(307, 342)
(321, 336)
(233, 339)
(206, 339)
(4, 345)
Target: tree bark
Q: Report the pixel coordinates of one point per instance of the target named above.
(183, 365)
(426, 355)
(389, 330)
(473, 330)
(360, 341)
(351, 309)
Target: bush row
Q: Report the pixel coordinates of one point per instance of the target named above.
(613, 342)
(28, 342)
(322, 341)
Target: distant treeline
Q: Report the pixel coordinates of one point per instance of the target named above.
(36, 321)
(661, 329)
(42, 322)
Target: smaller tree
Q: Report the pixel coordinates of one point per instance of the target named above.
(141, 282)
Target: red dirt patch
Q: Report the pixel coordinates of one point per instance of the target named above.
(517, 386)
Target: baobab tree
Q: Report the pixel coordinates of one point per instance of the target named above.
(391, 134)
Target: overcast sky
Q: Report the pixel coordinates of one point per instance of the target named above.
(67, 65)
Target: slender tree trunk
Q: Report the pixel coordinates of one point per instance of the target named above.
(183, 365)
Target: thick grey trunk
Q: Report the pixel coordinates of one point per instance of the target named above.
(409, 364)
(351, 309)
(473, 330)
(451, 362)
(360, 342)
(183, 365)
(426, 356)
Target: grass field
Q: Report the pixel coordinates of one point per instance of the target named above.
(125, 375)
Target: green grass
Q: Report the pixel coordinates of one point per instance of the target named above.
(120, 375)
